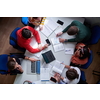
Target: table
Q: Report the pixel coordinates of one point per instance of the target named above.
(60, 56)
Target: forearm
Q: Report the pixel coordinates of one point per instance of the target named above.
(67, 66)
(43, 20)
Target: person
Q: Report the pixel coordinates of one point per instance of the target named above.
(81, 32)
(72, 76)
(36, 21)
(24, 37)
(14, 63)
(81, 55)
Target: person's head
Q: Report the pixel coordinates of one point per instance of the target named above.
(73, 30)
(83, 52)
(12, 64)
(26, 33)
(71, 74)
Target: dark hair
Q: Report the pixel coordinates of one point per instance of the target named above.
(84, 52)
(35, 17)
(26, 33)
(71, 74)
(11, 64)
(72, 30)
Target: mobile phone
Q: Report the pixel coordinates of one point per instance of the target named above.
(53, 79)
(60, 22)
(47, 41)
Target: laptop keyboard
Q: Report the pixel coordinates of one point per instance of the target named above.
(33, 67)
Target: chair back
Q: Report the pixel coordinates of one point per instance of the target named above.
(24, 20)
(3, 64)
(85, 66)
(95, 37)
(13, 40)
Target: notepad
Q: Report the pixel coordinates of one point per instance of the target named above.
(69, 50)
(56, 44)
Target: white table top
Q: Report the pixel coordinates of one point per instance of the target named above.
(60, 56)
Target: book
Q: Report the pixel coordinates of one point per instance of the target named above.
(56, 44)
(69, 50)
(48, 56)
(58, 67)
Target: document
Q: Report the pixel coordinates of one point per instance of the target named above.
(44, 70)
(69, 50)
(49, 28)
(56, 44)
(58, 67)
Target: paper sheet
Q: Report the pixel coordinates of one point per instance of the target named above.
(69, 50)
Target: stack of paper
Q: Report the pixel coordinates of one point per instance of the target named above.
(44, 70)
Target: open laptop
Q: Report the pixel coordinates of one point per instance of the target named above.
(33, 67)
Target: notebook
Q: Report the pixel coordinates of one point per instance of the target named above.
(33, 67)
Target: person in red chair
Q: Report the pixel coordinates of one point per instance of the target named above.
(24, 36)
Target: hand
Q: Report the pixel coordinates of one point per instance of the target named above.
(61, 40)
(33, 59)
(40, 46)
(58, 34)
(45, 46)
(40, 27)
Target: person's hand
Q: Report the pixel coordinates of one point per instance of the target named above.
(58, 34)
(57, 76)
(40, 27)
(61, 40)
(40, 46)
(33, 59)
(45, 46)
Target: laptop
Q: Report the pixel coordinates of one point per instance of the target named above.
(33, 67)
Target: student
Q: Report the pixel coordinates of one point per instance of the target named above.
(81, 32)
(81, 55)
(24, 37)
(36, 21)
(72, 76)
(14, 63)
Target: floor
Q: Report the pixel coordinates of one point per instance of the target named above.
(7, 25)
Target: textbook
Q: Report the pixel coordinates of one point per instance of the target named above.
(58, 67)
(56, 44)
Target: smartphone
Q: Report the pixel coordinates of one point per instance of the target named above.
(53, 79)
(47, 41)
(60, 22)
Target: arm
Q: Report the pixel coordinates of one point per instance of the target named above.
(67, 66)
(31, 59)
(43, 20)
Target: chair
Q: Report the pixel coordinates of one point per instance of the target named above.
(95, 35)
(3, 64)
(85, 66)
(13, 40)
(24, 20)
(82, 78)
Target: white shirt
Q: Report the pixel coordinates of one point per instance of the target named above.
(75, 81)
